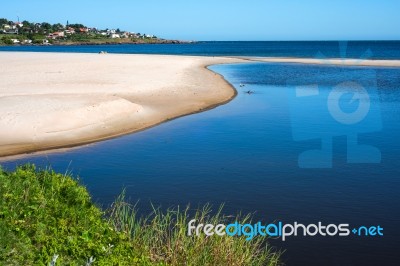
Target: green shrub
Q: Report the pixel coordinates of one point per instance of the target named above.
(37, 41)
(6, 40)
(43, 214)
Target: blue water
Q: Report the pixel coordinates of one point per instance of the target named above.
(245, 154)
(319, 49)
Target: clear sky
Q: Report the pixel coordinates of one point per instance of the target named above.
(223, 19)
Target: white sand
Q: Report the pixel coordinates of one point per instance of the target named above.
(54, 100)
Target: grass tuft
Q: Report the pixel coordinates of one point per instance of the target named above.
(48, 218)
(164, 237)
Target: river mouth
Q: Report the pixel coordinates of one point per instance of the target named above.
(244, 154)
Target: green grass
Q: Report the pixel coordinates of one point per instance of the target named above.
(5, 39)
(43, 213)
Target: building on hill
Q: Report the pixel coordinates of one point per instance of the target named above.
(56, 35)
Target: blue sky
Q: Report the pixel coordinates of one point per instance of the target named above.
(224, 19)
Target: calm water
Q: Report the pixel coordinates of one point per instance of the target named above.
(321, 49)
(245, 154)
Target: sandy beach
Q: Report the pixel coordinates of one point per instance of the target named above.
(59, 100)
(56, 100)
(328, 61)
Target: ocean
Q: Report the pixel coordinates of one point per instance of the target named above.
(249, 153)
(305, 49)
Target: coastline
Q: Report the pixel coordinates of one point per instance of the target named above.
(326, 61)
(57, 101)
(82, 105)
(103, 42)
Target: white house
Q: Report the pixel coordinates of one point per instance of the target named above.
(114, 35)
(55, 35)
(70, 31)
(125, 34)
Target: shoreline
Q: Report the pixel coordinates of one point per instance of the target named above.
(115, 42)
(91, 142)
(116, 112)
(326, 61)
(194, 78)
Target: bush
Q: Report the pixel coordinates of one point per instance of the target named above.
(6, 40)
(37, 41)
(44, 214)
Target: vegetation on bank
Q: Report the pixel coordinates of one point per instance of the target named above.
(9, 40)
(43, 214)
(30, 33)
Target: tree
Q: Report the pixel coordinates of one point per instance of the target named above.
(27, 24)
(3, 21)
(58, 27)
(76, 27)
(27, 27)
(46, 26)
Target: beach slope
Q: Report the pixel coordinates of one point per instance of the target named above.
(55, 100)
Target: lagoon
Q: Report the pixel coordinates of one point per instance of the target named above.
(243, 154)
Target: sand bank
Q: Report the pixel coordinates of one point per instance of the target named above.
(328, 61)
(55, 100)
(58, 100)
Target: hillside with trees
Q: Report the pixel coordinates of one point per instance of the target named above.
(44, 33)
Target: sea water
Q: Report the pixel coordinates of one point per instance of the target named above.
(245, 154)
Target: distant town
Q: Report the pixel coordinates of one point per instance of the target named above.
(32, 33)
